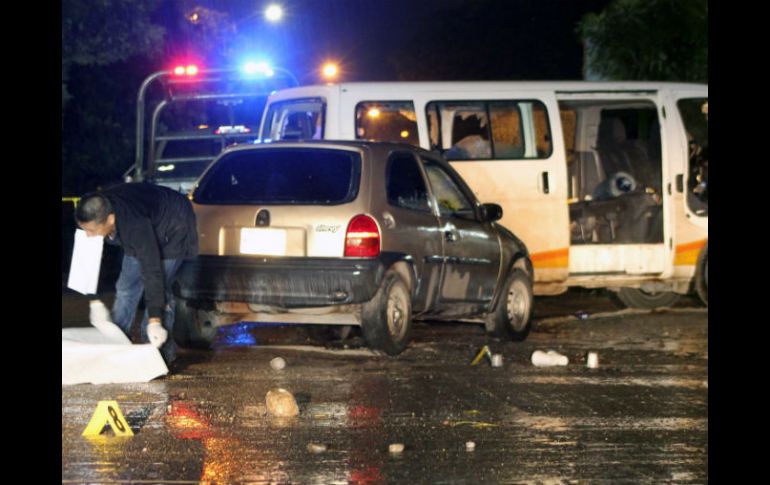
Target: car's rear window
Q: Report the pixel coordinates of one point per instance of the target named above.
(282, 176)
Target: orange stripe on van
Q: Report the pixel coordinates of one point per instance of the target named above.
(551, 259)
(687, 254)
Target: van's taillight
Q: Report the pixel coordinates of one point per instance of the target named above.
(362, 239)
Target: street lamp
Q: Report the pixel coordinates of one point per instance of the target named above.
(274, 12)
(330, 71)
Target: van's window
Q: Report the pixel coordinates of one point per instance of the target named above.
(569, 130)
(507, 132)
(542, 130)
(405, 185)
(282, 176)
(695, 114)
(451, 200)
(483, 130)
(296, 119)
(393, 121)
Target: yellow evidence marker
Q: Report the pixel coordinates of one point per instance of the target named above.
(484, 351)
(108, 412)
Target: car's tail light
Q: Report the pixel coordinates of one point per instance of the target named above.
(362, 239)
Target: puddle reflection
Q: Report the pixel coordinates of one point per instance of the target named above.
(225, 458)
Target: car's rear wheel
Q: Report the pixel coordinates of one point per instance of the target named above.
(387, 319)
(512, 318)
(194, 327)
(637, 298)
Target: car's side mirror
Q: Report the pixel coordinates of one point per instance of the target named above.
(491, 212)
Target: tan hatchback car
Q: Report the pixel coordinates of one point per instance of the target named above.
(348, 233)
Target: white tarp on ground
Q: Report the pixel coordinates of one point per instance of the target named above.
(104, 355)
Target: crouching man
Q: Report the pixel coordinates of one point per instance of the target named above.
(156, 228)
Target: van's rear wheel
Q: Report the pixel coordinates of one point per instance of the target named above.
(636, 298)
(702, 276)
(387, 319)
(193, 327)
(513, 316)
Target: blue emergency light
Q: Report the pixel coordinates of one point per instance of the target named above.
(253, 68)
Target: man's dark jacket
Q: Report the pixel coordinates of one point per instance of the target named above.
(153, 223)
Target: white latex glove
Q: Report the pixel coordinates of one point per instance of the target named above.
(157, 334)
(100, 319)
(98, 313)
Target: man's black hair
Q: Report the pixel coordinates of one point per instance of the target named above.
(93, 207)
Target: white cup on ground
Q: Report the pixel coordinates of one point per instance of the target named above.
(548, 359)
(592, 361)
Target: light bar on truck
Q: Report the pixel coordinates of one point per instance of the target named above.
(224, 130)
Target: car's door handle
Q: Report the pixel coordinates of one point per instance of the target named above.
(546, 186)
(450, 233)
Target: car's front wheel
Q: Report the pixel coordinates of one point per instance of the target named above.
(512, 318)
(387, 319)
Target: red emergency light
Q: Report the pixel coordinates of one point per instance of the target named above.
(189, 70)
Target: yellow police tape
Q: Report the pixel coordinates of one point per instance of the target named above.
(108, 412)
(474, 424)
(74, 200)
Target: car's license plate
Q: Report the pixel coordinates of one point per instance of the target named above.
(269, 242)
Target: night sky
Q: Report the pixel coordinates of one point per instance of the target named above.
(495, 39)
(372, 40)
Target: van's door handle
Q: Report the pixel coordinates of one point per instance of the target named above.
(546, 187)
(680, 183)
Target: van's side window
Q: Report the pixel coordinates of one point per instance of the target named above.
(479, 130)
(507, 131)
(393, 121)
(296, 119)
(405, 185)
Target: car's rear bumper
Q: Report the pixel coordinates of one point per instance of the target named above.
(280, 281)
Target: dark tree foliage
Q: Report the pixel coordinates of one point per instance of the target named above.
(106, 47)
(203, 33)
(497, 40)
(100, 32)
(98, 131)
(660, 40)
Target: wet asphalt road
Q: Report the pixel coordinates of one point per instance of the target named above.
(641, 417)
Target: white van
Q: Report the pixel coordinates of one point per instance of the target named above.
(606, 183)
